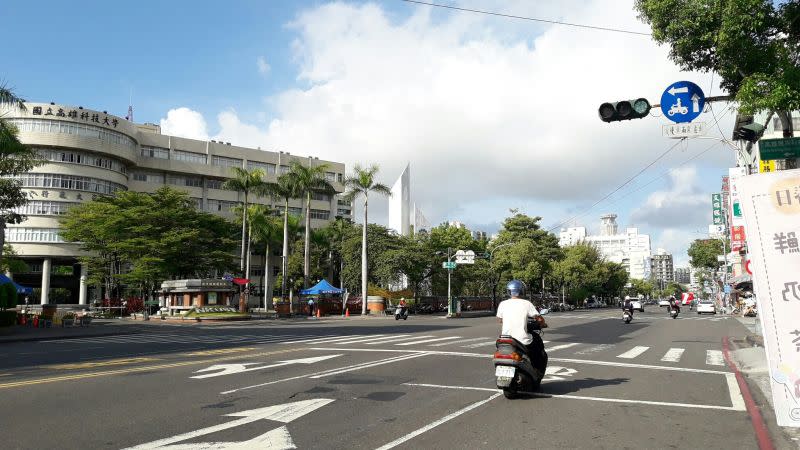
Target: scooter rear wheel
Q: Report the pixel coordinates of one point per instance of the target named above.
(510, 394)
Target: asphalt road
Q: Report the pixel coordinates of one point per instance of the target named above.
(423, 383)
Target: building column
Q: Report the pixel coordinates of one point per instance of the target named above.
(45, 281)
(82, 286)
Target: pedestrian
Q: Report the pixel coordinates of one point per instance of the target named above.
(311, 307)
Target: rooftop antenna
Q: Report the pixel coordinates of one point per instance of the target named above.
(129, 117)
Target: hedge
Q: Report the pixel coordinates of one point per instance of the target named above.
(8, 296)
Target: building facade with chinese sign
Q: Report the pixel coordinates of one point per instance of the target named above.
(92, 153)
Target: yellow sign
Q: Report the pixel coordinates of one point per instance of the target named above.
(767, 166)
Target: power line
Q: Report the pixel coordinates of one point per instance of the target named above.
(533, 19)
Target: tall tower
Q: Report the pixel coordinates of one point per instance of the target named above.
(608, 224)
(400, 204)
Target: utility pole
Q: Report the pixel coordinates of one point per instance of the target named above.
(450, 309)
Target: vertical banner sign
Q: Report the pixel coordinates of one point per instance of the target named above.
(735, 219)
(771, 206)
(716, 207)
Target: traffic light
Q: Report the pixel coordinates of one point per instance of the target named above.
(624, 110)
(750, 133)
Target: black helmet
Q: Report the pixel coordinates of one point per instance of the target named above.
(515, 288)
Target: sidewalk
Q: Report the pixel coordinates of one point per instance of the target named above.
(98, 327)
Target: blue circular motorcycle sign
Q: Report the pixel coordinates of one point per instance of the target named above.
(682, 101)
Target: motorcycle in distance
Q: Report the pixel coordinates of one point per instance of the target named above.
(673, 313)
(401, 312)
(514, 369)
(626, 316)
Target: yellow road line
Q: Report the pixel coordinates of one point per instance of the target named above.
(130, 370)
(220, 351)
(91, 365)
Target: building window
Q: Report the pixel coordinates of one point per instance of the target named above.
(292, 210)
(343, 203)
(77, 129)
(44, 208)
(330, 176)
(148, 177)
(223, 161)
(320, 214)
(256, 271)
(181, 180)
(320, 196)
(155, 152)
(198, 202)
(343, 212)
(83, 158)
(284, 169)
(29, 234)
(197, 158)
(58, 181)
(266, 167)
(340, 178)
(220, 205)
(214, 184)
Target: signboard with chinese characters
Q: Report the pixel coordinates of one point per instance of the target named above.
(735, 174)
(766, 166)
(682, 130)
(737, 237)
(465, 257)
(779, 148)
(771, 207)
(716, 208)
(76, 114)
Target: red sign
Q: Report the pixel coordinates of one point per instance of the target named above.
(737, 234)
(747, 267)
(241, 281)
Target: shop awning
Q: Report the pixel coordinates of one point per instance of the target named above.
(323, 287)
(20, 289)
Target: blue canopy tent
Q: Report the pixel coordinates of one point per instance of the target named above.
(323, 287)
(20, 289)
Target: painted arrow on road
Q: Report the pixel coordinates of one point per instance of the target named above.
(682, 90)
(230, 369)
(279, 438)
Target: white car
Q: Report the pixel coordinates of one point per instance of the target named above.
(638, 305)
(663, 302)
(705, 306)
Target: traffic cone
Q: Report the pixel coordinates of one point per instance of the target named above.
(317, 313)
(347, 312)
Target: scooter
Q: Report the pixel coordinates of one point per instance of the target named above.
(626, 316)
(673, 313)
(517, 371)
(401, 312)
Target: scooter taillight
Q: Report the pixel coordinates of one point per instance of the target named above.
(505, 341)
(515, 356)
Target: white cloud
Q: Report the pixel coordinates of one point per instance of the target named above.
(263, 67)
(185, 122)
(483, 108)
(682, 205)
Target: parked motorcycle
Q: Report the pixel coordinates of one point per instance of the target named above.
(517, 371)
(401, 312)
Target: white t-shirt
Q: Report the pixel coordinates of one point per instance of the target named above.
(515, 312)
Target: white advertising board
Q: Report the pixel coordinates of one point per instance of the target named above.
(771, 209)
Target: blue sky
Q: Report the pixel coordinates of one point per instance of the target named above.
(492, 113)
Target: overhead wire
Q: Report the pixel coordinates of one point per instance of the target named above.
(533, 19)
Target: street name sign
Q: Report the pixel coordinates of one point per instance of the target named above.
(450, 265)
(779, 148)
(771, 207)
(682, 101)
(683, 130)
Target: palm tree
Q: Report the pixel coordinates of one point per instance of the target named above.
(284, 189)
(309, 179)
(244, 181)
(266, 229)
(362, 182)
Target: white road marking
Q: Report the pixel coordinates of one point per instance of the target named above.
(559, 347)
(634, 352)
(459, 342)
(714, 358)
(435, 424)
(372, 338)
(583, 397)
(429, 340)
(480, 344)
(230, 369)
(737, 401)
(325, 339)
(366, 366)
(383, 341)
(673, 355)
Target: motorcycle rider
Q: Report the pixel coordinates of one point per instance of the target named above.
(513, 314)
(673, 304)
(628, 306)
(401, 307)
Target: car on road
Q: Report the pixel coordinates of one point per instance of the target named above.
(706, 306)
(663, 302)
(638, 305)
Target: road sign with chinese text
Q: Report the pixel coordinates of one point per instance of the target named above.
(449, 265)
(779, 148)
(682, 130)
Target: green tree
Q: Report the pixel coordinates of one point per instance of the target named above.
(361, 183)
(247, 182)
(703, 253)
(308, 180)
(754, 45)
(129, 240)
(16, 159)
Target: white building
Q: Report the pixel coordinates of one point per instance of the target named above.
(421, 223)
(400, 204)
(631, 249)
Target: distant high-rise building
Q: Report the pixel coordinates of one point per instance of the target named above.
(682, 275)
(400, 204)
(421, 224)
(479, 235)
(456, 224)
(571, 236)
(608, 225)
(661, 266)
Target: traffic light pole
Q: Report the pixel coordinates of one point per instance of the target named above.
(450, 309)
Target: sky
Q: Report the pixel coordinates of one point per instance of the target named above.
(492, 113)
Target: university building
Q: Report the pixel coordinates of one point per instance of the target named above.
(90, 153)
